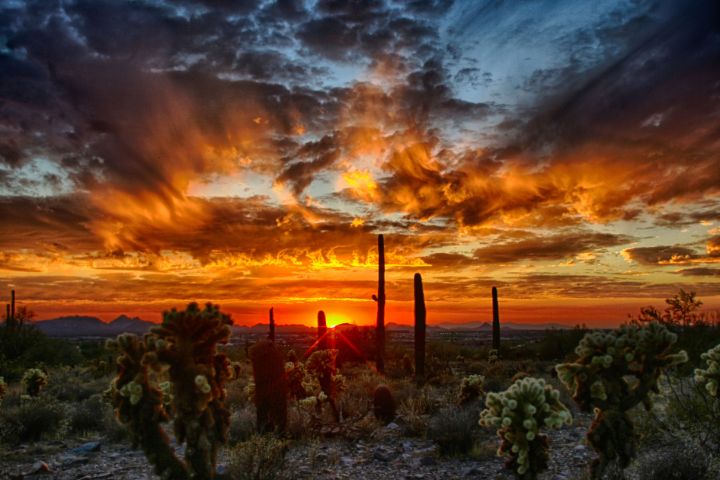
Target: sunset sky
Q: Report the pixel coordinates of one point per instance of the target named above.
(248, 153)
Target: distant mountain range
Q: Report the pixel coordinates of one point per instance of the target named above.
(81, 326)
(84, 326)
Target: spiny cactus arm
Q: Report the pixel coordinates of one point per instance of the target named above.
(519, 413)
(710, 376)
(139, 406)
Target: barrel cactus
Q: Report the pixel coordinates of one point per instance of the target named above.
(710, 377)
(519, 413)
(34, 380)
(384, 404)
(174, 373)
(614, 372)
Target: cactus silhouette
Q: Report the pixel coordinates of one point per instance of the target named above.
(614, 372)
(519, 413)
(496, 321)
(184, 348)
(322, 331)
(271, 387)
(384, 404)
(710, 376)
(420, 318)
(380, 299)
(271, 333)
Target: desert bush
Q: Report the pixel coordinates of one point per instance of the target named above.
(414, 414)
(262, 457)
(33, 419)
(616, 371)
(89, 415)
(27, 347)
(242, 425)
(520, 413)
(454, 430)
(672, 462)
(471, 389)
(34, 380)
(3, 388)
(74, 384)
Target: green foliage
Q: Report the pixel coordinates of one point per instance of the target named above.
(3, 388)
(262, 457)
(520, 413)
(33, 419)
(242, 425)
(614, 372)
(454, 430)
(34, 380)
(710, 376)
(270, 386)
(183, 350)
(89, 415)
(471, 388)
(24, 347)
(383, 404)
(672, 462)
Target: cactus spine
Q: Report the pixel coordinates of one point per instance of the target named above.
(182, 348)
(496, 321)
(271, 334)
(614, 372)
(321, 331)
(380, 299)
(420, 317)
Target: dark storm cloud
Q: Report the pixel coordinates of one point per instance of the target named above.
(675, 255)
(552, 247)
(700, 272)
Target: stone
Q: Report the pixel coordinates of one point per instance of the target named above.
(88, 447)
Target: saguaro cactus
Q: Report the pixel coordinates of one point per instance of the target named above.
(496, 320)
(420, 317)
(183, 348)
(380, 299)
(519, 413)
(615, 372)
(270, 386)
(12, 307)
(271, 333)
(321, 331)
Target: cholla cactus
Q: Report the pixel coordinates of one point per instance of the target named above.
(34, 380)
(493, 356)
(471, 388)
(616, 371)
(183, 351)
(710, 376)
(519, 413)
(295, 375)
(321, 364)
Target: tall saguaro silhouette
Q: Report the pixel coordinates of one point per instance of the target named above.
(380, 299)
(321, 331)
(271, 333)
(496, 321)
(420, 320)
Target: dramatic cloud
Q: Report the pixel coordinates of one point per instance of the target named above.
(217, 145)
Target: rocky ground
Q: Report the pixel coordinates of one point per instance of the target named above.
(386, 454)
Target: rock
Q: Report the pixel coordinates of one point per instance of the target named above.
(382, 454)
(473, 472)
(428, 461)
(392, 426)
(39, 468)
(346, 461)
(88, 447)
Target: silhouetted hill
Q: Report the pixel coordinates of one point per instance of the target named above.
(83, 326)
(481, 326)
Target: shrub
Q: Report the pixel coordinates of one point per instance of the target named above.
(35, 418)
(519, 413)
(3, 388)
(614, 372)
(384, 404)
(673, 463)
(183, 346)
(454, 429)
(242, 425)
(89, 415)
(34, 380)
(74, 384)
(471, 388)
(262, 457)
(414, 413)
